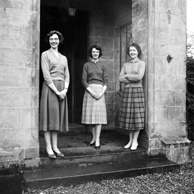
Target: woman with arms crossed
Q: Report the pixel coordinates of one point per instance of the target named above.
(132, 109)
(53, 104)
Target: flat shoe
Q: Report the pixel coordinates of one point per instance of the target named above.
(92, 144)
(134, 147)
(127, 146)
(97, 147)
(51, 156)
(60, 155)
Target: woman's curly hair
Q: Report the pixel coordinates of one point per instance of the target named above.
(61, 38)
(97, 47)
(137, 47)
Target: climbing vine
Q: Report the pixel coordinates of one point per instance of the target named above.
(190, 87)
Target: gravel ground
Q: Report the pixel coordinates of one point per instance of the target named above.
(180, 182)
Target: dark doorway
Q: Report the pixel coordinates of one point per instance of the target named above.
(74, 47)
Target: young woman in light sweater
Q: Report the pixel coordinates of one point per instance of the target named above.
(132, 109)
(53, 103)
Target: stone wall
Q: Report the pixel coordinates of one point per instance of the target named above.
(166, 80)
(19, 80)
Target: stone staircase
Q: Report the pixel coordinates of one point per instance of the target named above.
(83, 163)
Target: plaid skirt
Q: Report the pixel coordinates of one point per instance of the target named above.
(53, 111)
(94, 111)
(132, 109)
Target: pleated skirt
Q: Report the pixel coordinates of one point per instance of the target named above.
(132, 109)
(94, 111)
(53, 111)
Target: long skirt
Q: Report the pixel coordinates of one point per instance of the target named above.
(53, 111)
(94, 111)
(132, 109)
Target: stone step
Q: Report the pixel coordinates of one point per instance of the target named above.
(89, 155)
(81, 173)
(78, 151)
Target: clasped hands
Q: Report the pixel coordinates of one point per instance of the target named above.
(62, 94)
(96, 95)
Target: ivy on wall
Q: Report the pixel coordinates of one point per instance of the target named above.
(190, 87)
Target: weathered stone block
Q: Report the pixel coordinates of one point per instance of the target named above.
(35, 97)
(154, 152)
(155, 143)
(181, 67)
(9, 18)
(174, 82)
(109, 97)
(15, 137)
(102, 31)
(11, 155)
(107, 44)
(31, 77)
(109, 65)
(95, 40)
(11, 77)
(180, 98)
(20, 4)
(163, 67)
(32, 162)
(111, 86)
(169, 129)
(176, 149)
(177, 7)
(165, 98)
(10, 57)
(10, 118)
(19, 97)
(30, 118)
(31, 153)
(11, 38)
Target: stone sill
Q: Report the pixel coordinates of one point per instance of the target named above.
(176, 141)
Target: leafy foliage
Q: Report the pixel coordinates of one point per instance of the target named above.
(190, 86)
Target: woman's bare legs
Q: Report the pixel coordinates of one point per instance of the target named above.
(47, 137)
(54, 137)
(130, 140)
(135, 138)
(98, 133)
(93, 134)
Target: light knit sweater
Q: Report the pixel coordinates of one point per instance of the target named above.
(132, 73)
(54, 68)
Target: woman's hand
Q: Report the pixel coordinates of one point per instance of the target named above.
(63, 94)
(94, 95)
(100, 95)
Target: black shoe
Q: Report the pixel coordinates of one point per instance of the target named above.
(92, 144)
(97, 147)
(60, 155)
(51, 156)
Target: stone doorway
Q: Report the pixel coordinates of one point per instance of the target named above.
(100, 22)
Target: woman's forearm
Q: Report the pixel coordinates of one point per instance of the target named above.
(52, 86)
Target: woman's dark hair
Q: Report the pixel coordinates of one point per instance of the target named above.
(54, 32)
(97, 47)
(137, 47)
